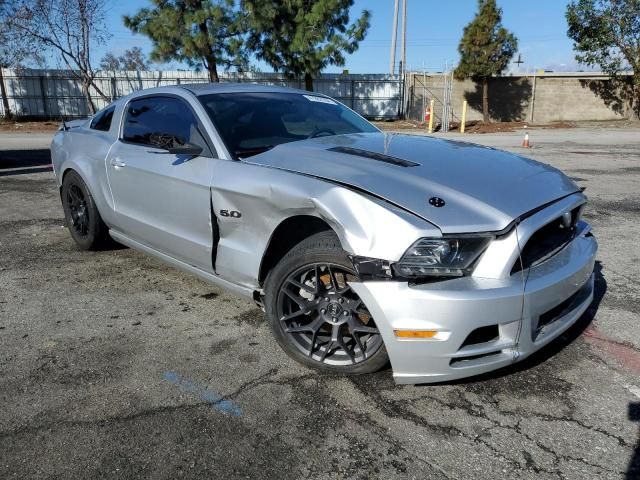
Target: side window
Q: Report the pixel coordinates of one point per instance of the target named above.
(102, 121)
(161, 122)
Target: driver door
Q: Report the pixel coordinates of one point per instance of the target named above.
(163, 200)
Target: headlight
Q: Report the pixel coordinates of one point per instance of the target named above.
(451, 257)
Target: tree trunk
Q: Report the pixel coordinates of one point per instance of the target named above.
(635, 96)
(485, 100)
(308, 82)
(5, 99)
(87, 94)
(213, 70)
(209, 57)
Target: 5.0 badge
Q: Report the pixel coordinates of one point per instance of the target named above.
(230, 213)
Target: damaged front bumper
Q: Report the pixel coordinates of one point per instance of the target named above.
(483, 324)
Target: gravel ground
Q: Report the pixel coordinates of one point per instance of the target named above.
(114, 365)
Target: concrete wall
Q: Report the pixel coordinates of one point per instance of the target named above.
(546, 98)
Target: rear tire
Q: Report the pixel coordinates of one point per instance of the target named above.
(315, 316)
(81, 214)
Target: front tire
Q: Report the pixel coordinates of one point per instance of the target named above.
(81, 214)
(315, 316)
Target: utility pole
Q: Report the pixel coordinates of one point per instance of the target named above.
(404, 35)
(394, 36)
(403, 51)
(403, 63)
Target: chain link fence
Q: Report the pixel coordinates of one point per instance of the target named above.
(53, 94)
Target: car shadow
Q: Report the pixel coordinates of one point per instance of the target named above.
(553, 348)
(633, 472)
(25, 171)
(23, 162)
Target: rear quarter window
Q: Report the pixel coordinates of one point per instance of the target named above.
(102, 120)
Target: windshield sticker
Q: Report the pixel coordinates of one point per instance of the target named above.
(319, 99)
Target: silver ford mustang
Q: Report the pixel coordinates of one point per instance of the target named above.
(446, 259)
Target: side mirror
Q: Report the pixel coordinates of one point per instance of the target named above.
(186, 149)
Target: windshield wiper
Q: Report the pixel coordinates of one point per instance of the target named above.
(249, 152)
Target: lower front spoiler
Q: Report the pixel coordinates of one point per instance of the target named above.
(526, 313)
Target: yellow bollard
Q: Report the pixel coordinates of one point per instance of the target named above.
(464, 116)
(431, 117)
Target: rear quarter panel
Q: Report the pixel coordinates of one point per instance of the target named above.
(85, 150)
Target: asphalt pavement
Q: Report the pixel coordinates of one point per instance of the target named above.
(115, 365)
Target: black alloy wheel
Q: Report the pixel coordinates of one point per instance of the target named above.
(316, 316)
(78, 211)
(81, 214)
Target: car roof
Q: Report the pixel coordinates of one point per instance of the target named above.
(212, 88)
(200, 89)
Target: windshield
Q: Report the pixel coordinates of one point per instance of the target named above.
(252, 123)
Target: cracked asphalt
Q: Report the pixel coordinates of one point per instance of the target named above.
(114, 365)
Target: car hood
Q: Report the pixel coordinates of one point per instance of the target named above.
(483, 189)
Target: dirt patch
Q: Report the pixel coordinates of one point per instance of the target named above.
(471, 127)
(28, 127)
(400, 125)
(480, 127)
(222, 346)
(253, 317)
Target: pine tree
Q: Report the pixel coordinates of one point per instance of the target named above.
(301, 37)
(485, 49)
(200, 32)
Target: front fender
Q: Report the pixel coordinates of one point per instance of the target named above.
(265, 197)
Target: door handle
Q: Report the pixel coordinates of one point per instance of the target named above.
(117, 163)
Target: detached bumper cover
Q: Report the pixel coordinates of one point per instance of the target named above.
(529, 308)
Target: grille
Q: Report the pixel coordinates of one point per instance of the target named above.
(546, 242)
(461, 361)
(565, 307)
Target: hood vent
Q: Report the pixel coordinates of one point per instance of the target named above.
(374, 156)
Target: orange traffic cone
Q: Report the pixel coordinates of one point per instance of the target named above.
(525, 142)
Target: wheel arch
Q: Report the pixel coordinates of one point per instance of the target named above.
(100, 192)
(65, 172)
(286, 235)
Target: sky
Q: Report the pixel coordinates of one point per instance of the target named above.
(434, 28)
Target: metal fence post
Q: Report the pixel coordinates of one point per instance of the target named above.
(352, 96)
(399, 115)
(431, 115)
(533, 99)
(412, 94)
(43, 96)
(6, 109)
